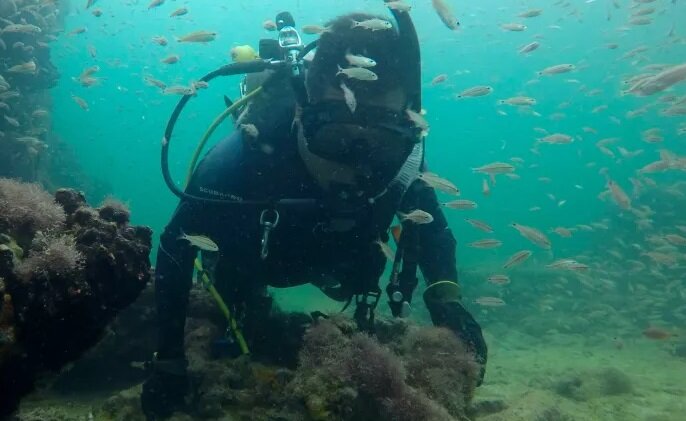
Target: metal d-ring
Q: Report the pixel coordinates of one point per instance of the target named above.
(267, 227)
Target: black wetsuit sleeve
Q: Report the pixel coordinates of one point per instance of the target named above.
(436, 243)
(173, 278)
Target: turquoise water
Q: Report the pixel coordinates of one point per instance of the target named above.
(118, 139)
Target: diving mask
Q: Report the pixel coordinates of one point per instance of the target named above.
(375, 138)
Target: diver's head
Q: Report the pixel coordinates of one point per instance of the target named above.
(369, 145)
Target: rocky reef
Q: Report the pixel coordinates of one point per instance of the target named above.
(66, 270)
(405, 372)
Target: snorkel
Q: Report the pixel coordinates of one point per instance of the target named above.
(290, 64)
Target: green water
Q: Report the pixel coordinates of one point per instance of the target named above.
(118, 139)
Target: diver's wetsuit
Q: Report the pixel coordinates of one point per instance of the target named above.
(309, 245)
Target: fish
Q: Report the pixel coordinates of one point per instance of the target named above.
(485, 188)
(201, 84)
(359, 73)
(314, 29)
(460, 204)
(398, 5)
(416, 216)
(530, 47)
(171, 59)
(513, 27)
(439, 79)
(522, 101)
(563, 232)
(658, 333)
(533, 235)
(11, 121)
(556, 139)
(179, 12)
(517, 258)
(90, 3)
(488, 243)
(198, 36)
(249, 130)
(21, 28)
(557, 69)
(676, 239)
(475, 91)
(499, 279)
(532, 13)
(349, 97)
(386, 250)
(154, 82)
(641, 20)
(200, 241)
(495, 168)
(374, 24)
(25, 68)
(155, 3)
(97, 12)
(80, 102)
(653, 84)
(40, 113)
(445, 13)
(418, 120)
(159, 40)
(439, 183)
(619, 196)
(269, 25)
(359, 61)
(179, 90)
(489, 302)
(88, 71)
(77, 31)
(480, 225)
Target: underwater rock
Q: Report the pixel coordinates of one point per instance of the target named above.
(593, 384)
(353, 376)
(72, 277)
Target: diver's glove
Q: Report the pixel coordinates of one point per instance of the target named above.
(443, 302)
(165, 389)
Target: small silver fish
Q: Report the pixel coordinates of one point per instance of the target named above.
(359, 61)
(374, 24)
(460, 204)
(398, 5)
(418, 120)
(200, 241)
(359, 73)
(557, 69)
(439, 183)
(417, 216)
(489, 302)
(386, 250)
(515, 27)
(475, 91)
(446, 14)
(349, 97)
(198, 36)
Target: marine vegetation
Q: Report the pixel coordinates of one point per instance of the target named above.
(66, 269)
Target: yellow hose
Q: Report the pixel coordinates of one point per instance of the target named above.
(207, 283)
(210, 130)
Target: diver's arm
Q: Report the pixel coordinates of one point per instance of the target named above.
(436, 258)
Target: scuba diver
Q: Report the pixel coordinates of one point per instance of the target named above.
(304, 191)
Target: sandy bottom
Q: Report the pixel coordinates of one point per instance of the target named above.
(525, 376)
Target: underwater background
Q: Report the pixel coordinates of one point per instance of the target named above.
(601, 340)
